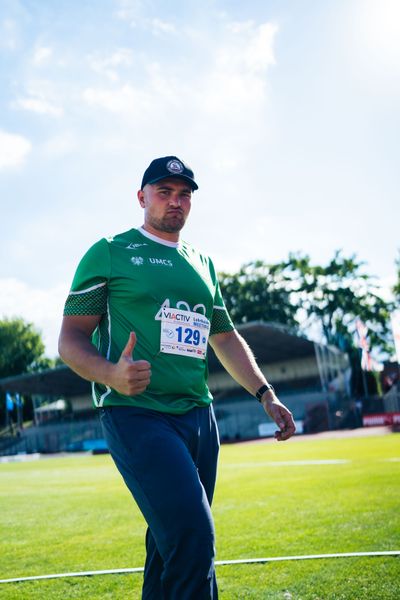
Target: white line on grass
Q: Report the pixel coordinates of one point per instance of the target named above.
(19, 458)
(288, 463)
(241, 561)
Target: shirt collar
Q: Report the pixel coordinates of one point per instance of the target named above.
(157, 239)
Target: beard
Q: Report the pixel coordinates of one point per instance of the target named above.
(169, 223)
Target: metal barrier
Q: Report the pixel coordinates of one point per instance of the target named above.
(56, 437)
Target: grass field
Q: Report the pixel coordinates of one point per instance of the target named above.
(74, 514)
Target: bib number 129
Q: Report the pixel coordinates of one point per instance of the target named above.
(188, 335)
(184, 332)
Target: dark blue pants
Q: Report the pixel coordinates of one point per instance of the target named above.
(169, 464)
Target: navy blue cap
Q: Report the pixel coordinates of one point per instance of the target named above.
(168, 166)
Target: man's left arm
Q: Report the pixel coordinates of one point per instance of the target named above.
(236, 356)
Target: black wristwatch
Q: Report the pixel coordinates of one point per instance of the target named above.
(264, 388)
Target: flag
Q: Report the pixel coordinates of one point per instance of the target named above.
(395, 319)
(363, 343)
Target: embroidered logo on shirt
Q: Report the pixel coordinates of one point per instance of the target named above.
(164, 262)
(137, 261)
(133, 246)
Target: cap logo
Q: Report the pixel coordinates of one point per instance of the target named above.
(175, 167)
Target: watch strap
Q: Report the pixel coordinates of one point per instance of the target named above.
(264, 388)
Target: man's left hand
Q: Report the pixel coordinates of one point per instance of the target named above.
(280, 414)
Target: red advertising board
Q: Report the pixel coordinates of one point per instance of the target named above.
(381, 419)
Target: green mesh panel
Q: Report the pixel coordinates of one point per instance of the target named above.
(220, 322)
(93, 302)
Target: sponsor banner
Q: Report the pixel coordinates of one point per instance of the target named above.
(381, 419)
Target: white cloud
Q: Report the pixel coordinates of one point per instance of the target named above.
(108, 66)
(39, 105)
(9, 35)
(41, 56)
(41, 96)
(239, 26)
(133, 11)
(42, 307)
(129, 10)
(125, 99)
(259, 54)
(59, 146)
(233, 84)
(159, 27)
(13, 149)
(248, 50)
(232, 95)
(237, 85)
(251, 47)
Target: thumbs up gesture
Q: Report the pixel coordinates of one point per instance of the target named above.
(130, 377)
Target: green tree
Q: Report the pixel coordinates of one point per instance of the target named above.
(334, 296)
(308, 297)
(258, 292)
(301, 295)
(21, 348)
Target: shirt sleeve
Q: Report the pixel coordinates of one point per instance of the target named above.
(220, 321)
(89, 290)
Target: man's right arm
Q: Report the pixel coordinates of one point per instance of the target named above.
(126, 376)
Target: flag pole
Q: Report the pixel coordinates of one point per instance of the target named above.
(364, 378)
(363, 344)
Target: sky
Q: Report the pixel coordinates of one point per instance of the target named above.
(287, 111)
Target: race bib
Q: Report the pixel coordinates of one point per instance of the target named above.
(184, 332)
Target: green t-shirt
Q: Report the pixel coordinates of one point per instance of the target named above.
(132, 280)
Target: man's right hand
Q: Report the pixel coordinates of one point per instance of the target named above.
(128, 376)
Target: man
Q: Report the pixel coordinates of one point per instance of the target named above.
(142, 309)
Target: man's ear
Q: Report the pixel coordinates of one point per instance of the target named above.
(140, 196)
